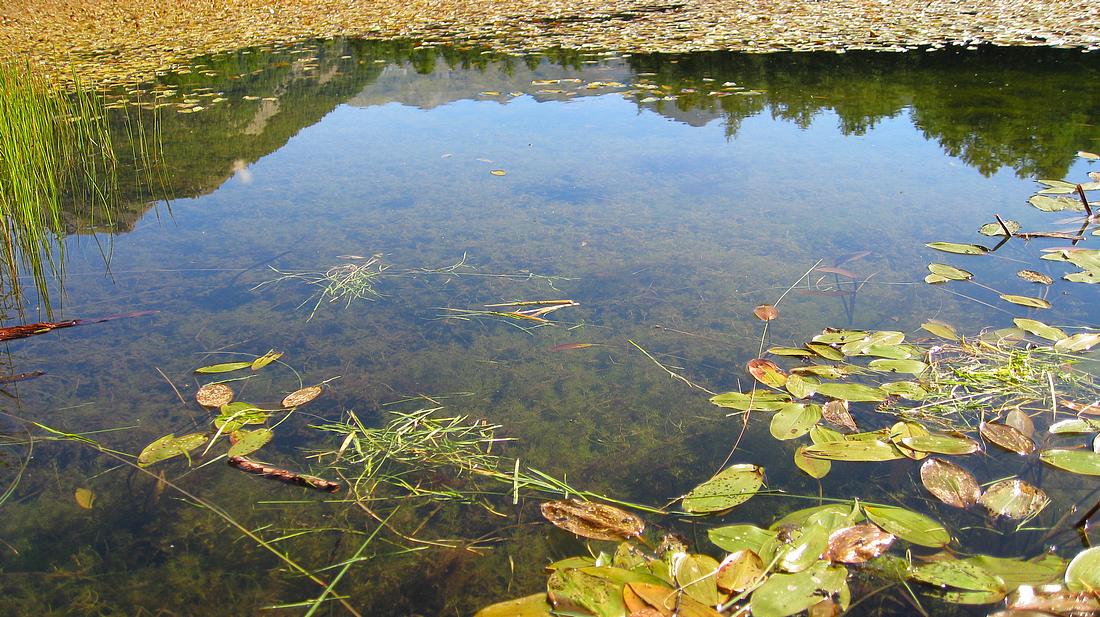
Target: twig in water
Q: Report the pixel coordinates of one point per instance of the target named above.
(670, 372)
(1084, 200)
(174, 389)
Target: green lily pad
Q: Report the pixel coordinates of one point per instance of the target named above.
(1014, 498)
(1083, 462)
(534, 605)
(958, 249)
(1016, 572)
(731, 487)
(248, 442)
(224, 368)
(752, 401)
(853, 392)
(801, 387)
(913, 367)
(794, 420)
(1055, 204)
(1040, 329)
(695, 574)
(1027, 301)
(1082, 341)
(814, 467)
(941, 330)
(942, 444)
(908, 525)
(910, 390)
(950, 273)
(169, 446)
(840, 337)
(958, 574)
(1083, 572)
(995, 229)
(579, 590)
(790, 351)
(863, 450)
(787, 594)
(733, 538)
(825, 351)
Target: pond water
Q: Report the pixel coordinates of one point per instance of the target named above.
(666, 195)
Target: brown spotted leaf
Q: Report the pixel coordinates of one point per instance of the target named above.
(592, 520)
(1007, 437)
(767, 372)
(301, 397)
(765, 312)
(858, 544)
(214, 395)
(837, 414)
(950, 483)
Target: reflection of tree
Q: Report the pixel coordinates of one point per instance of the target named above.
(1000, 107)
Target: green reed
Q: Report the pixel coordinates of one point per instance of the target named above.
(55, 147)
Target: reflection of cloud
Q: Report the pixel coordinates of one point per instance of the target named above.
(240, 168)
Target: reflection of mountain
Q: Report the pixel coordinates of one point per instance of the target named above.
(1028, 109)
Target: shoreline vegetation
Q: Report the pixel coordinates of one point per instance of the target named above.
(113, 42)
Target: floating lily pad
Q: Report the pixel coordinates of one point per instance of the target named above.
(826, 351)
(863, 450)
(1035, 277)
(1027, 301)
(794, 420)
(1006, 437)
(734, 538)
(247, 442)
(169, 446)
(1083, 572)
(266, 359)
(1040, 329)
(1082, 341)
(905, 389)
(1083, 462)
(302, 396)
(1015, 499)
(941, 330)
(214, 395)
(995, 229)
(767, 372)
(836, 413)
(958, 574)
(858, 543)
(752, 401)
(840, 337)
(765, 312)
(84, 498)
(801, 387)
(1020, 421)
(958, 249)
(913, 367)
(593, 520)
(796, 352)
(814, 467)
(224, 367)
(694, 574)
(950, 272)
(731, 487)
(908, 525)
(787, 594)
(950, 483)
(1055, 204)
(739, 571)
(942, 444)
(534, 605)
(854, 392)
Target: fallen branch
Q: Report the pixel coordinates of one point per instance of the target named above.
(283, 475)
(42, 327)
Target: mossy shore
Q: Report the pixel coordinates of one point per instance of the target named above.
(127, 41)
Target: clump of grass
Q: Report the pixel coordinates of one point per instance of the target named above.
(54, 145)
(344, 283)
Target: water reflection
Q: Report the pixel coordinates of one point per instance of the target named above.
(667, 220)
